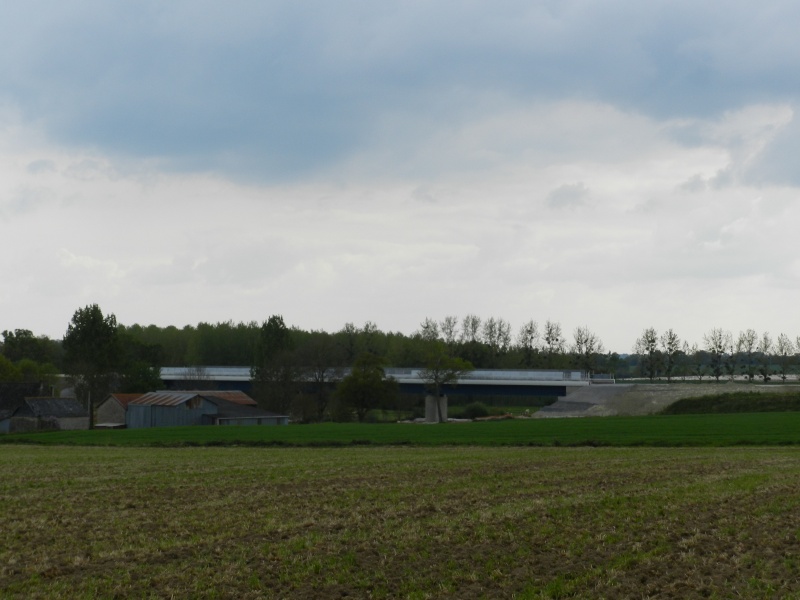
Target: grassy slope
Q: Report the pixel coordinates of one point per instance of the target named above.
(678, 430)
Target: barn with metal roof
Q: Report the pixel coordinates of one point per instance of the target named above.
(171, 409)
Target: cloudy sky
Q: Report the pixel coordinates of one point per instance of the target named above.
(619, 164)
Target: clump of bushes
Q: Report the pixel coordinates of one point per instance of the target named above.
(475, 410)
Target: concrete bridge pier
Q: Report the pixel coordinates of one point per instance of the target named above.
(433, 407)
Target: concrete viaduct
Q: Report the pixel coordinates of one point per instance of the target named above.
(480, 382)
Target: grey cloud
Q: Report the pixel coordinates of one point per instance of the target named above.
(696, 183)
(722, 179)
(571, 195)
(424, 194)
(279, 90)
(777, 163)
(41, 166)
(25, 200)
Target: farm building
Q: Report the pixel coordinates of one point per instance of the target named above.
(111, 411)
(44, 414)
(235, 396)
(170, 409)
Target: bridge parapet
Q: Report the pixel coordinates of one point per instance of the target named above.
(403, 375)
(501, 377)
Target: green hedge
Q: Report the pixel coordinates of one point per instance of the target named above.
(735, 402)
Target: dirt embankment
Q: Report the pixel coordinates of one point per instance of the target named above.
(642, 398)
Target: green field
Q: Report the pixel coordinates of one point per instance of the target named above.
(399, 522)
(675, 430)
(463, 510)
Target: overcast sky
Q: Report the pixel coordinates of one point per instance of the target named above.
(619, 164)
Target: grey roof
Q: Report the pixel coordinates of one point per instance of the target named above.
(56, 407)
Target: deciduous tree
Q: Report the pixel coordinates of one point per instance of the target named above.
(442, 370)
(554, 343)
(670, 349)
(586, 346)
(470, 329)
(449, 330)
(429, 330)
(765, 356)
(649, 355)
(784, 349)
(366, 386)
(274, 371)
(717, 343)
(529, 342)
(92, 354)
(321, 362)
(746, 345)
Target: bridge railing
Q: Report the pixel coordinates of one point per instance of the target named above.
(243, 374)
(499, 375)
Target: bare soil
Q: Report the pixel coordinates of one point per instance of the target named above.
(399, 523)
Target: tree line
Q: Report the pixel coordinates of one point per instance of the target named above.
(722, 355)
(298, 370)
(487, 343)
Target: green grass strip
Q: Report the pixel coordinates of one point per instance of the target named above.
(765, 429)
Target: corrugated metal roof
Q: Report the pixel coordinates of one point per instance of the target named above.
(164, 398)
(235, 396)
(124, 399)
(168, 398)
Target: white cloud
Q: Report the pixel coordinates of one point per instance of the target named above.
(365, 163)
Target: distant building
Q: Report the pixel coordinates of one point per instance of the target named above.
(235, 396)
(111, 411)
(44, 414)
(171, 409)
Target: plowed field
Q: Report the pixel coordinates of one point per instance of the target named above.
(399, 522)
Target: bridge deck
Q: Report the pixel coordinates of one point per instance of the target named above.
(478, 377)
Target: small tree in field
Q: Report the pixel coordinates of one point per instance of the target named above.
(441, 370)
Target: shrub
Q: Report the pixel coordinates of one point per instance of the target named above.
(475, 410)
